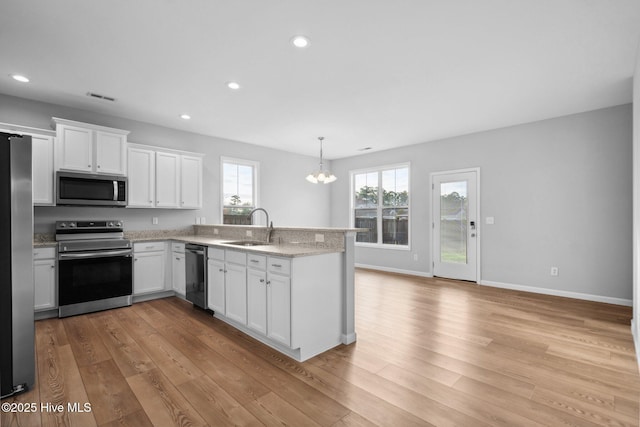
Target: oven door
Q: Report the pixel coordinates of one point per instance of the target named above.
(92, 276)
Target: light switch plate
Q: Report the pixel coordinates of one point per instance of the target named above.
(249, 233)
(320, 238)
(489, 220)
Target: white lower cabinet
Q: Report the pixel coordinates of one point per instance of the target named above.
(269, 298)
(279, 308)
(178, 268)
(44, 278)
(149, 267)
(227, 283)
(215, 286)
(292, 304)
(236, 292)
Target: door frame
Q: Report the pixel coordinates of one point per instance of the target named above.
(432, 175)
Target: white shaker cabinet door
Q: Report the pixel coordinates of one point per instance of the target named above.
(167, 180)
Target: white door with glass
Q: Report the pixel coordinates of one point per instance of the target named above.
(455, 225)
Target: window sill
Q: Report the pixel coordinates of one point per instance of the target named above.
(383, 246)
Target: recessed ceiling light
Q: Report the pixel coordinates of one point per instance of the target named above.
(233, 85)
(300, 41)
(20, 78)
(185, 116)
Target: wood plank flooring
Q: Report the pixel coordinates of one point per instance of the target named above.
(429, 352)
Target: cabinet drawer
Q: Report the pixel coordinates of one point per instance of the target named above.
(236, 257)
(258, 262)
(148, 247)
(44, 253)
(279, 265)
(215, 253)
(177, 247)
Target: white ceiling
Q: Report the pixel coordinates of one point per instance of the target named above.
(378, 73)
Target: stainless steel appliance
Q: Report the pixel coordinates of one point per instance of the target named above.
(91, 189)
(196, 267)
(17, 350)
(95, 268)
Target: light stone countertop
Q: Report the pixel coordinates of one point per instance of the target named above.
(290, 250)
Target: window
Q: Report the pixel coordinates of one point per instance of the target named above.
(380, 202)
(239, 190)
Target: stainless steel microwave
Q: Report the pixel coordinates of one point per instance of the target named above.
(82, 189)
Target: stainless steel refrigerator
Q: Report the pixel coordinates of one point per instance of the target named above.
(17, 349)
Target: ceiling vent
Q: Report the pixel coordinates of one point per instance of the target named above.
(103, 97)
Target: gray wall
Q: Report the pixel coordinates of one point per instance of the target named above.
(560, 191)
(289, 198)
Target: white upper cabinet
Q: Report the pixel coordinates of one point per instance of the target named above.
(42, 169)
(167, 180)
(142, 177)
(83, 147)
(111, 153)
(191, 182)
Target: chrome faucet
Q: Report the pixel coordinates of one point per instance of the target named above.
(269, 224)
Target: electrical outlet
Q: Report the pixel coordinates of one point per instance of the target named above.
(320, 238)
(197, 220)
(203, 220)
(154, 220)
(554, 271)
(489, 220)
(249, 233)
(415, 257)
(216, 231)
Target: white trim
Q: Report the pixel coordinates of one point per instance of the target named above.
(555, 292)
(636, 339)
(478, 217)
(25, 129)
(394, 270)
(379, 208)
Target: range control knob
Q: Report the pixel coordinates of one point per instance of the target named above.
(110, 224)
(63, 225)
(72, 224)
(119, 224)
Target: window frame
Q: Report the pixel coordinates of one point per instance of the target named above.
(380, 206)
(256, 183)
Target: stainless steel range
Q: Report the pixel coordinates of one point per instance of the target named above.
(94, 266)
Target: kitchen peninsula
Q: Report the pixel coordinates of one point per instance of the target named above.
(295, 294)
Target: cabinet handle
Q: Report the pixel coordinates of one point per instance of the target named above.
(135, 259)
(53, 266)
(177, 259)
(268, 282)
(276, 265)
(254, 261)
(88, 166)
(98, 166)
(261, 280)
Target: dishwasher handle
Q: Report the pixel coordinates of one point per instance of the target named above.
(198, 250)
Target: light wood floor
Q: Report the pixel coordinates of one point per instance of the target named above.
(429, 352)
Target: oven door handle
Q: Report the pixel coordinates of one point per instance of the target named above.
(101, 254)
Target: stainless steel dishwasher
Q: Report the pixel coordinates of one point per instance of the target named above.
(196, 280)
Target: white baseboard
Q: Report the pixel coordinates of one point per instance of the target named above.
(636, 339)
(567, 294)
(394, 270)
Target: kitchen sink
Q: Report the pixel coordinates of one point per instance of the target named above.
(247, 243)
